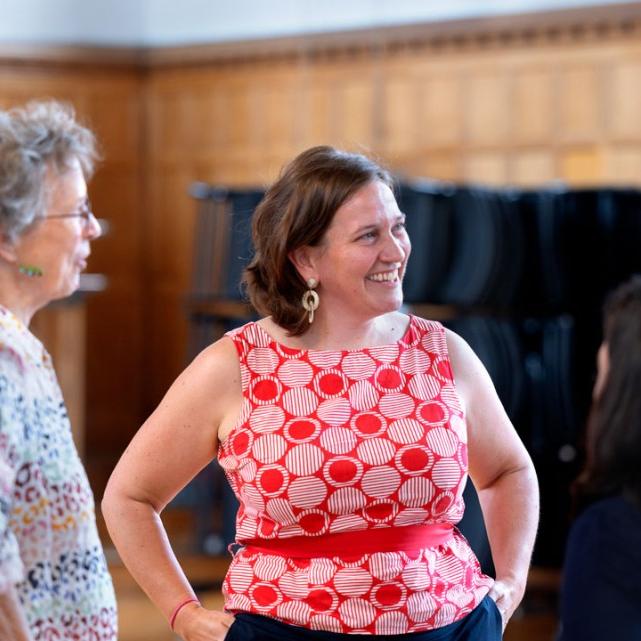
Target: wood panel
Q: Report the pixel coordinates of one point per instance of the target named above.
(62, 328)
(519, 101)
(108, 99)
(519, 111)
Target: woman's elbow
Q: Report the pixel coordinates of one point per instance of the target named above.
(111, 502)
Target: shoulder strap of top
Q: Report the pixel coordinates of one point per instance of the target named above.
(428, 325)
(246, 337)
(433, 336)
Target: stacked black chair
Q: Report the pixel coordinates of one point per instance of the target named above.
(429, 211)
(222, 249)
(521, 275)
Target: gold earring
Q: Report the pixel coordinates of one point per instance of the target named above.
(310, 299)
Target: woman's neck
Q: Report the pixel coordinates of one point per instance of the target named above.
(17, 296)
(342, 332)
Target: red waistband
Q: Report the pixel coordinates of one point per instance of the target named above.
(389, 539)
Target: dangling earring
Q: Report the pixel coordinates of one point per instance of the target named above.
(30, 270)
(310, 299)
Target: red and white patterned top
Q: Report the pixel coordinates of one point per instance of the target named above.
(344, 441)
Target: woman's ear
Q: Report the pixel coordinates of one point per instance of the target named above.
(7, 249)
(602, 370)
(303, 260)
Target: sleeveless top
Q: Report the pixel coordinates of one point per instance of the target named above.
(332, 441)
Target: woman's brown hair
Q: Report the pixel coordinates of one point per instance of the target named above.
(613, 437)
(296, 212)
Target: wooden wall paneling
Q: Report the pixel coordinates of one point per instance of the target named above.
(170, 236)
(115, 316)
(532, 167)
(482, 115)
(532, 105)
(582, 165)
(441, 114)
(115, 369)
(487, 105)
(622, 164)
(624, 100)
(170, 245)
(516, 106)
(167, 340)
(338, 99)
(277, 111)
(108, 99)
(581, 118)
(62, 329)
(441, 164)
(115, 114)
(356, 117)
(401, 110)
(174, 134)
(486, 167)
(319, 103)
(116, 196)
(242, 126)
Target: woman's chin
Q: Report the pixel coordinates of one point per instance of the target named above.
(67, 288)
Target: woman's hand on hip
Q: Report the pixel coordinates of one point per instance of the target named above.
(507, 595)
(195, 623)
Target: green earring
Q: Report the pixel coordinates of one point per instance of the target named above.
(30, 270)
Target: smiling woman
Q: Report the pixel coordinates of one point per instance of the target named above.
(53, 575)
(346, 429)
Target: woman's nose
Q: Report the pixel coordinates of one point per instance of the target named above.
(92, 228)
(394, 250)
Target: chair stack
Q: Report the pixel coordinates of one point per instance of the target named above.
(521, 275)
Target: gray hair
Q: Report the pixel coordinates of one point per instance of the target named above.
(34, 138)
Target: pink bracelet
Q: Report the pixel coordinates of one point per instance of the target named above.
(179, 607)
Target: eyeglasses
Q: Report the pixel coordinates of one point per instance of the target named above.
(85, 214)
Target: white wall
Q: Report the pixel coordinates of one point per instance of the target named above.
(173, 22)
(103, 22)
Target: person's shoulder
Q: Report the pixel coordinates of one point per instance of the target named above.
(214, 368)
(606, 536)
(462, 357)
(425, 324)
(608, 523)
(615, 515)
(217, 357)
(13, 346)
(12, 361)
(608, 509)
(255, 334)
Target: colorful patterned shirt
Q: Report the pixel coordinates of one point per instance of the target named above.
(49, 545)
(331, 442)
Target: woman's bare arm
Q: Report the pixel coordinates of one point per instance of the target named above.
(503, 475)
(172, 446)
(13, 624)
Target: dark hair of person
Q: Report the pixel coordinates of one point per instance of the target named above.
(296, 212)
(613, 437)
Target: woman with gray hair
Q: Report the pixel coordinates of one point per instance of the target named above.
(54, 582)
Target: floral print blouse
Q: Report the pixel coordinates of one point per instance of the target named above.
(49, 545)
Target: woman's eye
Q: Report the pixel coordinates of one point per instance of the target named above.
(399, 226)
(369, 235)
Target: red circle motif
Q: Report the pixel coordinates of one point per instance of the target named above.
(265, 390)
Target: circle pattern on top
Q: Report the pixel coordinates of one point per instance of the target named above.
(344, 441)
